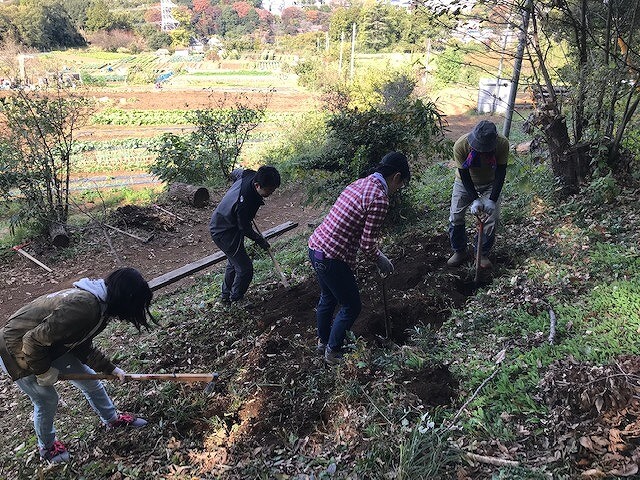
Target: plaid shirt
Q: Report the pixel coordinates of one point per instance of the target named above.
(353, 222)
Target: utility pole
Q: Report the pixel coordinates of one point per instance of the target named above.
(516, 68)
(341, 51)
(168, 23)
(353, 52)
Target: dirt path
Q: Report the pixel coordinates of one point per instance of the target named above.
(174, 244)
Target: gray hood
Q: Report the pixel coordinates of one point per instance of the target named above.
(97, 287)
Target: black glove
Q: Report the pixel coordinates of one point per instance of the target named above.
(263, 244)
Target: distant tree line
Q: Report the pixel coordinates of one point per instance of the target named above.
(40, 25)
(52, 24)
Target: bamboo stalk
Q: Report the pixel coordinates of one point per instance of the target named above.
(143, 240)
(33, 259)
(475, 394)
(169, 213)
(552, 326)
(499, 462)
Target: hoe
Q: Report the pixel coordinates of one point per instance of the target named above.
(211, 378)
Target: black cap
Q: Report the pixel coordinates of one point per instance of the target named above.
(398, 162)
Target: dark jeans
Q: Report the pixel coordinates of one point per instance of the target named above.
(237, 275)
(337, 286)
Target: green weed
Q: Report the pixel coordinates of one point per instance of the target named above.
(614, 261)
(425, 452)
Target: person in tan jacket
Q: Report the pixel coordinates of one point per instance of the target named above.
(54, 333)
(480, 157)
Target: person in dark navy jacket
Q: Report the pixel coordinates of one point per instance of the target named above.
(231, 222)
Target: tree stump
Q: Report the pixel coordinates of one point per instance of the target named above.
(191, 194)
(59, 236)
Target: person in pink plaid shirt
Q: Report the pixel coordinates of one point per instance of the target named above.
(352, 224)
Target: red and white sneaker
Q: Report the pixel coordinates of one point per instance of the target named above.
(56, 453)
(126, 420)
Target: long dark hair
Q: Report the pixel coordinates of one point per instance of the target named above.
(129, 297)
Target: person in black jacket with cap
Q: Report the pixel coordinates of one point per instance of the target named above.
(231, 222)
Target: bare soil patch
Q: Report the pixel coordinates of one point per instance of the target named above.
(423, 263)
(167, 99)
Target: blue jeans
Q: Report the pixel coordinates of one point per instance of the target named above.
(45, 399)
(238, 274)
(460, 201)
(337, 286)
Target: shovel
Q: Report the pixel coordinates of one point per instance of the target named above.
(211, 378)
(276, 265)
(387, 321)
(481, 219)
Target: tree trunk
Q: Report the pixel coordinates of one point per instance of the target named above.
(191, 194)
(58, 234)
(568, 163)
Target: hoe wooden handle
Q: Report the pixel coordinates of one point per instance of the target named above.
(162, 377)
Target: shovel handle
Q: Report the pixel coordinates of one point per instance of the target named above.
(479, 248)
(166, 377)
(276, 265)
(387, 322)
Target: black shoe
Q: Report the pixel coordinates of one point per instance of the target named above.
(332, 357)
(457, 259)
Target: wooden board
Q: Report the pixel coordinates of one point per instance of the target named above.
(179, 273)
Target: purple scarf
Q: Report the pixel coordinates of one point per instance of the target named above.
(476, 159)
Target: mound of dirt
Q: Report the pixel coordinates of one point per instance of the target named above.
(434, 386)
(147, 218)
(419, 269)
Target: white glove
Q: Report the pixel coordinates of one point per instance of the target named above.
(48, 378)
(384, 264)
(488, 205)
(118, 372)
(477, 206)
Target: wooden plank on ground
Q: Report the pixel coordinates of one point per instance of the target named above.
(191, 268)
